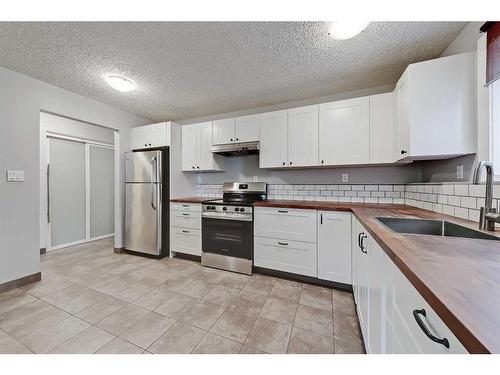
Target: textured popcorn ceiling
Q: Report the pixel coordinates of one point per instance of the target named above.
(188, 69)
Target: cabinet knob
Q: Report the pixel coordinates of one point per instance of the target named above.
(145, 144)
(194, 167)
(231, 139)
(322, 161)
(290, 163)
(403, 152)
(237, 139)
(283, 163)
(198, 167)
(150, 144)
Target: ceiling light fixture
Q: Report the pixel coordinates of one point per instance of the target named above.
(346, 29)
(120, 83)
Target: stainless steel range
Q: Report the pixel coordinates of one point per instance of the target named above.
(227, 227)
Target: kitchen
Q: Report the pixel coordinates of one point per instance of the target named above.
(357, 218)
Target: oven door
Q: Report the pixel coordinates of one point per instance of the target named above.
(227, 237)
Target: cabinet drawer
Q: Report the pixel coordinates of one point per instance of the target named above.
(185, 219)
(405, 300)
(186, 240)
(193, 207)
(290, 224)
(285, 255)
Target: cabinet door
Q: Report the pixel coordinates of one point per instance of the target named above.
(303, 136)
(363, 287)
(291, 224)
(189, 147)
(248, 128)
(185, 240)
(273, 140)
(402, 119)
(206, 160)
(334, 246)
(137, 138)
(159, 135)
(224, 131)
(382, 128)
(376, 321)
(344, 132)
(355, 225)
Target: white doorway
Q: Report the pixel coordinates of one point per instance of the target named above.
(80, 190)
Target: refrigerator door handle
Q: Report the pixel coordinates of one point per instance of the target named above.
(153, 185)
(48, 193)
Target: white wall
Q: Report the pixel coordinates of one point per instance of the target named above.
(62, 126)
(21, 100)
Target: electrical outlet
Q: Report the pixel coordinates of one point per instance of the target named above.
(255, 178)
(15, 176)
(345, 177)
(460, 172)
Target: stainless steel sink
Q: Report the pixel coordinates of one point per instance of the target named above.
(433, 227)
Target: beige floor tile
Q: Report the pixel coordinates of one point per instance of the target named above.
(286, 291)
(314, 320)
(305, 342)
(9, 345)
(234, 324)
(348, 347)
(58, 298)
(245, 349)
(215, 344)
(14, 298)
(177, 282)
(198, 289)
(121, 320)
(319, 298)
(154, 298)
(81, 302)
(343, 302)
(147, 330)
(249, 302)
(101, 309)
(178, 339)
(345, 327)
(260, 286)
(43, 319)
(236, 281)
(279, 310)
(22, 312)
(86, 342)
(120, 346)
(221, 295)
(43, 341)
(134, 291)
(177, 306)
(203, 315)
(269, 336)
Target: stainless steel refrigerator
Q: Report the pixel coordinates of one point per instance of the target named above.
(147, 202)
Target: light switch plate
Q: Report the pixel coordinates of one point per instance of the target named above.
(15, 176)
(460, 172)
(345, 177)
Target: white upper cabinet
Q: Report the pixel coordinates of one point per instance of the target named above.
(334, 246)
(382, 128)
(239, 129)
(224, 131)
(435, 108)
(247, 128)
(150, 136)
(303, 136)
(344, 132)
(273, 139)
(196, 144)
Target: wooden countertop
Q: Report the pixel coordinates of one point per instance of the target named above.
(188, 200)
(458, 277)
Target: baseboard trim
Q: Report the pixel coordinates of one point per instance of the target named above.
(22, 281)
(119, 250)
(43, 250)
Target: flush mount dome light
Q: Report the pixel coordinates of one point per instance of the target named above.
(120, 83)
(346, 29)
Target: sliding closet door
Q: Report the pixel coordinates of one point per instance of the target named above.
(101, 175)
(66, 192)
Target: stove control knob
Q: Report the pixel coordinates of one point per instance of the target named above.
(224, 208)
(213, 207)
(242, 209)
(236, 209)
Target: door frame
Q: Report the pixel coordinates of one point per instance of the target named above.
(87, 143)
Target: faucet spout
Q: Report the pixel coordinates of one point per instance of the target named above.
(488, 198)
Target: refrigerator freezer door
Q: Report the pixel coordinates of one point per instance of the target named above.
(143, 218)
(143, 166)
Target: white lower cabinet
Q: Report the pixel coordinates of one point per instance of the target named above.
(389, 307)
(285, 223)
(285, 255)
(185, 228)
(334, 246)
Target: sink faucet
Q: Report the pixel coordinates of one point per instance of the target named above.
(488, 216)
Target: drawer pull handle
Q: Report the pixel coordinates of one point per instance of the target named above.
(363, 236)
(185, 231)
(283, 243)
(423, 327)
(186, 205)
(283, 211)
(185, 214)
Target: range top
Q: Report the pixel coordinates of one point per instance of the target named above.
(222, 202)
(240, 194)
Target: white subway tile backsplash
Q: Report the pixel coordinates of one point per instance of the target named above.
(461, 190)
(448, 210)
(462, 212)
(344, 187)
(468, 202)
(371, 187)
(453, 200)
(448, 189)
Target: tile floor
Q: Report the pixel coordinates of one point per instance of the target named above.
(91, 300)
